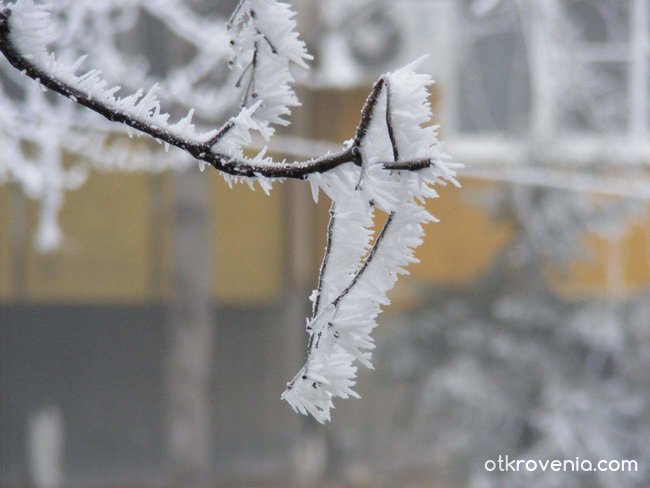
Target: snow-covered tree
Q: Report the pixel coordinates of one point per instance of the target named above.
(390, 166)
(524, 371)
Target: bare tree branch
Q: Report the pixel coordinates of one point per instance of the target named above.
(203, 150)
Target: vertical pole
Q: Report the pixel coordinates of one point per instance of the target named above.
(310, 452)
(449, 69)
(638, 71)
(192, 327)
(191, 335)
(539, 17)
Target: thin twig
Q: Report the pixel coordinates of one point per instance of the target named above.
(253, 15)
(371, 255)
(355, 279)
(367, 113)
(227, 127)
(268, 41)
(326, 257)
(234, 15)
(389, 122)
(250, 87)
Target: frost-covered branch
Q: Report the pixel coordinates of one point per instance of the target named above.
(390, 166)
(347, 303)
(24, 38)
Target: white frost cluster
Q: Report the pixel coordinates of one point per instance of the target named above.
(357, 271)
(265, 45)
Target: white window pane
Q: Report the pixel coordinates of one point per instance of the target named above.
(647, 107)
(494, 86)
(494, 91)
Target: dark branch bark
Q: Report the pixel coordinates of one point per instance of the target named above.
(368, 112)
(326, 258)
(314, 338)
(366, 263)
(389, 221)
(202, 150)
(389, 122)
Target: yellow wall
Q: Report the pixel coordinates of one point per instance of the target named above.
(118, 238)
(105, 253)
(117, 250)
(461, 247)
(623, 263)
(248, 233)
(115, 253)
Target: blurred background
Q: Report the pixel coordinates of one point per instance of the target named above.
(150, 316)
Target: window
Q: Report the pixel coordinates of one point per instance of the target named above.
(566, 80)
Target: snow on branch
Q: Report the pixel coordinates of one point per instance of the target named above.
(262, 32)
(25, 34)
(346, 304)
(390, 166)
